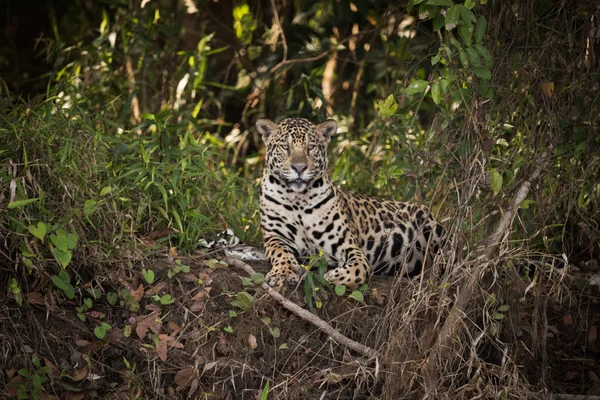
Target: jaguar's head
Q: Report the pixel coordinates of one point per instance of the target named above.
(296, 149)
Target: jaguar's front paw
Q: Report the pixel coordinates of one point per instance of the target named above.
(277, 277)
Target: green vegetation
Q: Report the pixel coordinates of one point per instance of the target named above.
(127, 141)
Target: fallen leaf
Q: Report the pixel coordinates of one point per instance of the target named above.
(138, 293)
(161, 349)
(174, 328)
(189, 277)
(173, 252)
(592, 334)
(196, 306)
(155, 289)
(80, 374)
(209, 366)
(223, 345)
(171, 341)
(568, 319)
(570, 375)
(252, 341)
(206, 277)
(159, 233)
(548, 88)
(184, 377)
(74, 395)
(92, 347)
(148, 322)
(52, 367)
(35, 298)
(81, 342)
(10, 389)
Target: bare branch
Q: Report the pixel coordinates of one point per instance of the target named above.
(306, 315)
(453, 323)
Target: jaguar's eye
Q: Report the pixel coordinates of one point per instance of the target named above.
(285, 146)
(311, 146)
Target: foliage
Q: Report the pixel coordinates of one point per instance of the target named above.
(138, 138)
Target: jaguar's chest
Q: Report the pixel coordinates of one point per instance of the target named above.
(308, 220)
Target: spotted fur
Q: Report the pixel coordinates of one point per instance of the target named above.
(303, 213)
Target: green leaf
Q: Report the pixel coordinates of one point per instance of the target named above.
(444, 3)
(39, 231)
(504, 308)
(474, 58)
(265, 392)
(276, 332)
(127, 331)
(488, 60)
(486, 91)
(166, 299)
(452, 18)
(480, 29)
(100, 332)
(357, 295)
(63, 257)
(438, 22)
(247, 282)
(464, 60)
(243, 301)
(498, 316)
(69, 292)
(340, 290)
(466, 17)
(59, 241)
(90, 207)
(21, 203)
(416, 86)
(436, 92)
(112, 298)
(148, 276)
(257, 278)
(71, 241)
(228, 329)
(64, 275)
(232, 314)
(388, 107)
(483, 72)
(88, 302)
(466, 34)
(105, 190)
(495, 181)
(470, 4)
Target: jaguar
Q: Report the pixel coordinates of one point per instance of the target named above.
(304, 214)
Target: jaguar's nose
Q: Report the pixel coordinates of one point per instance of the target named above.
(299, 168)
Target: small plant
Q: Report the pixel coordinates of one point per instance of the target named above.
(63, 282)
(177, 269)
(86, 306)
(28, 384)
(274, 330)
(163, 300)
(243, 301)
(148, 276)
(100, 331)
(14, 291)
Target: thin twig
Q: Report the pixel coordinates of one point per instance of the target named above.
(283, 41)
(450, 328)
(306, 315)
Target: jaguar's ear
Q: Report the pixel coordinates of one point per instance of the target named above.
(266, 128)
(327, 129)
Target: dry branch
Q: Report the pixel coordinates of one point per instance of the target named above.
(452, 325)
(306, 315)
